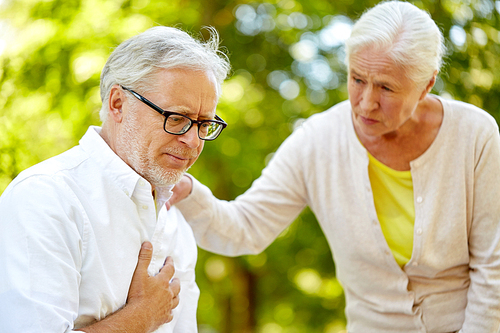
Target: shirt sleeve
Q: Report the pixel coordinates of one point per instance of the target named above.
(483, 305)
(40, 257)
(252, 221)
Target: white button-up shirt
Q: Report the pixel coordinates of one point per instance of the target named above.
(71, 229)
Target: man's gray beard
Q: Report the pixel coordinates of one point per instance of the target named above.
(159, 177)
(155, 174)
(149, 170)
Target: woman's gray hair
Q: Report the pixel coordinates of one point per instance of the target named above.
(133, 63)
(408, 34)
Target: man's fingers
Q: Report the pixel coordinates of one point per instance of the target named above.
(169, 261)
(175, 286)
(175, 301)
(156, 295)
(168, 270)
(144, 258)
(169, 318)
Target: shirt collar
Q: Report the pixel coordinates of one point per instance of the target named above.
(112, 166)
(115, 168)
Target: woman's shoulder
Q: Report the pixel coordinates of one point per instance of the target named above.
(322, 129)
(324, 126)
(332, 117)
(336, 110)
(464, 114)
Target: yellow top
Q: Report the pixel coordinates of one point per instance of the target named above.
(393, 197)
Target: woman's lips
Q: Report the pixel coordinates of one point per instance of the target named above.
(368, 121)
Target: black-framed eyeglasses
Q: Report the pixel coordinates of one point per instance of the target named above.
(178, 124)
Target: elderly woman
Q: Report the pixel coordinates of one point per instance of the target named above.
(404, 184)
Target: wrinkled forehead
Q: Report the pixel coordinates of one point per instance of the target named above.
(186, 90)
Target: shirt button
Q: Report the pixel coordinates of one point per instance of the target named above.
(387, 252)
(420, 199)
(144, 207)
(126, 192)
(419, 231)
(374, 222)
(141, 183)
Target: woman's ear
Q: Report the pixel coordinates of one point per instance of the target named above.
(429, 86)
(115, 103)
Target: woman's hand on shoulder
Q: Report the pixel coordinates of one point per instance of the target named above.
(180, 191)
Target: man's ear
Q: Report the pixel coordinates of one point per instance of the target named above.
(115, 103)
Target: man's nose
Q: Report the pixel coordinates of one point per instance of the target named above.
(190, 138)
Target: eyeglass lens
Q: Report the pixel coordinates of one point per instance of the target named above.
(178, 124)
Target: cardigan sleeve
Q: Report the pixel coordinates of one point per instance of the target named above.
(253, 220)
(483, 305)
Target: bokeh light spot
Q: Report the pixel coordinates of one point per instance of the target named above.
(308, 280)
(289, 89)
(215, 269)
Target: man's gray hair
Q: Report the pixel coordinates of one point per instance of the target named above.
(133, 63)
(408, 34)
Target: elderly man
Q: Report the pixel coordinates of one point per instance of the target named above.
(86, 242)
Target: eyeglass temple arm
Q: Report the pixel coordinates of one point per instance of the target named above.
(154, 107)
(146, 101)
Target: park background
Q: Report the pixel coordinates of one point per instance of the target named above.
(287, 65)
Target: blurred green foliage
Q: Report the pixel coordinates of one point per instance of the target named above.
(287, 64)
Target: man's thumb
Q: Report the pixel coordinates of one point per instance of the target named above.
(144, 257)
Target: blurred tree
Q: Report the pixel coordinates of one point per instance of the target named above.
(287, 64)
